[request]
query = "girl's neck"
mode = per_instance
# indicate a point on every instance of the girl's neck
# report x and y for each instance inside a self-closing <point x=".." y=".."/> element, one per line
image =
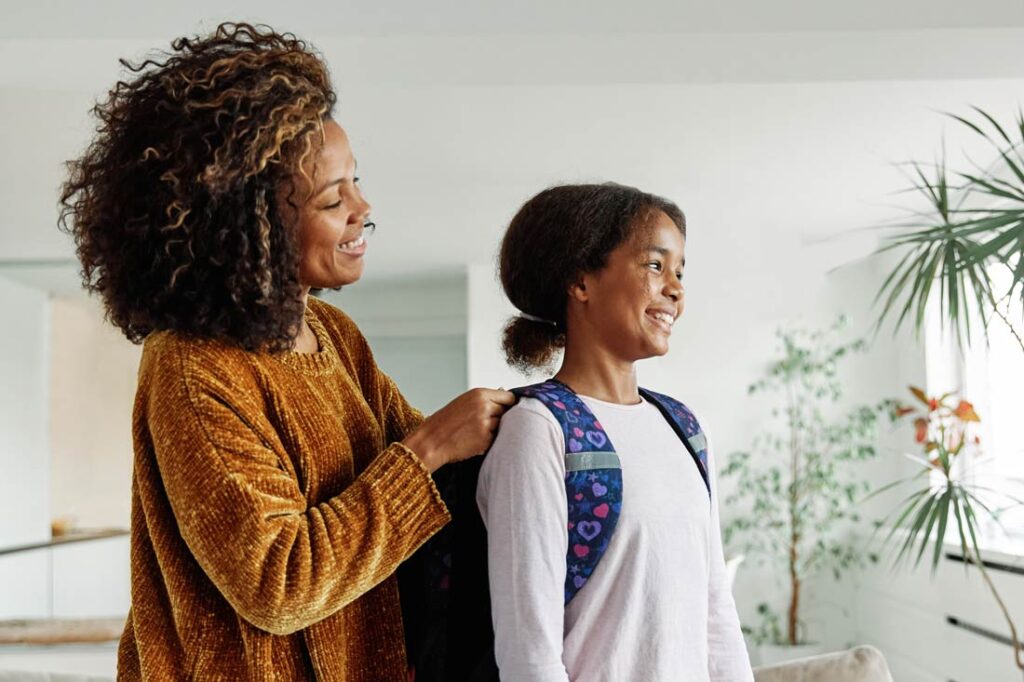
<point x="597" y="374"/>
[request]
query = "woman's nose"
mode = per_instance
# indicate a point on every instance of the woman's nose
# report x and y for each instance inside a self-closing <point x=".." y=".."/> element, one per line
<point x="362" y="211"/>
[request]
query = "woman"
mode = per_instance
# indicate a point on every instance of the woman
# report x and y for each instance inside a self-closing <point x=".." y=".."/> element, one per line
<point x="279" y="476"/>
<point x="597" y="270"/>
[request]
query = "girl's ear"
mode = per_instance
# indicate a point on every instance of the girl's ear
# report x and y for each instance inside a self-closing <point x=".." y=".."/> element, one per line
<point x="578" y="289"/>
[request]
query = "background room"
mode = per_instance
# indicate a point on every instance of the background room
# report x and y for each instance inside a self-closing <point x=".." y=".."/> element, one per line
<point x="779" y="128"/>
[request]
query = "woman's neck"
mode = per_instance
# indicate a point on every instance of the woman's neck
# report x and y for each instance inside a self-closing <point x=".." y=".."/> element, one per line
<point x="596" y="373"/>
<point x="305" y="339"/>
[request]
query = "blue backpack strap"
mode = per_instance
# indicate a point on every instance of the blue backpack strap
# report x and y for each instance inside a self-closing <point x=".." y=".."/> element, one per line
<point x="593" y="480"/>
<point x="686" y="426"/>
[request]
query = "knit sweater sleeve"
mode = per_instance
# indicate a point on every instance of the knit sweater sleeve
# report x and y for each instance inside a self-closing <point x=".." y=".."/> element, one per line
<point x="281" y="563"/>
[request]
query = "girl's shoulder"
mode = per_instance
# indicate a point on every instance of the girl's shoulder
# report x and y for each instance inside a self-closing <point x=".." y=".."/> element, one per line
<point x="529" y="414"/>
<point x="529" y="446"/>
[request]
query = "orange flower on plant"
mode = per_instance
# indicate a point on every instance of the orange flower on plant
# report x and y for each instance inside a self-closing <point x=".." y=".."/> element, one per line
<point x="933" y="404"/>
<point x="965" y="412"/>
<point x="920" y="429"/>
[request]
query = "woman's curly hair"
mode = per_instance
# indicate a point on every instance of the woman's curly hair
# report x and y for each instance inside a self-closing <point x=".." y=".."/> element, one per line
<point x="174" y="207"/>
<point x="558" y="235"/>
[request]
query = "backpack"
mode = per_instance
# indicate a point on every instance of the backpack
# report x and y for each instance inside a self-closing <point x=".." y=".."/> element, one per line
<point x="446" y="605"/>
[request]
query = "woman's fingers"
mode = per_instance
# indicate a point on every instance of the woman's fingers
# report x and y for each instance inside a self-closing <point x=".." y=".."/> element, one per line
<point x="461" y="429"/>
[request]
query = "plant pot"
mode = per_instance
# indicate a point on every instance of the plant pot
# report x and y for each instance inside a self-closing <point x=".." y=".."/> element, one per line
<point x="773" y="654"/>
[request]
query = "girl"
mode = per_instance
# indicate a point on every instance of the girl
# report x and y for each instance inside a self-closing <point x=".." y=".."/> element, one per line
<point x="597" y="270"/>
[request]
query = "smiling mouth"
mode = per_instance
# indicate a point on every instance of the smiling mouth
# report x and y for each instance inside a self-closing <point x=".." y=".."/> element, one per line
<point x="356" y="247"/>
<point x="662" y="320"/>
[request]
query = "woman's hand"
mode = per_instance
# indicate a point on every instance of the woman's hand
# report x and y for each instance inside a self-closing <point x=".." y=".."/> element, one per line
<point x="461" y="429"/>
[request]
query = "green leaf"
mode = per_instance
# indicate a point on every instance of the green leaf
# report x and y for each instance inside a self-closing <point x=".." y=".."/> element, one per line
<point x="890" y="486"/>
<point x="988" y="220"/>
<point x="994" y="124"/>
<point x="996" y="186"/>
<point x="926" y="279"/>
<point x="953" y="309"/>
<point x="971" y="522"/>
<point x="982" y="250"/>
<point x="960" y="529"/>
<point x="969" y="125"/>
<point x="943" y="514"/>
<point x="915" y="527"/>
<point x="896" y="288"/>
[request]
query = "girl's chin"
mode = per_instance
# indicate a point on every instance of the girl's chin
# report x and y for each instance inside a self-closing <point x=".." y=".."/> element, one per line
<point x="657" y="350"/>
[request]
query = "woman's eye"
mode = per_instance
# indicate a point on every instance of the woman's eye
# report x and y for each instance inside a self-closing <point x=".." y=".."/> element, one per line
<point x="336" y="204"/>
<point x="679" y="275"/>
<point x="654" y="265"/>
<point x="355" y="181"/>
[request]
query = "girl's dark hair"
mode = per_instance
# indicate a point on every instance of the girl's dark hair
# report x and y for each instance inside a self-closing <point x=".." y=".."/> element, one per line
<point x="558" y="235"/>
<point x="174" y="205"/>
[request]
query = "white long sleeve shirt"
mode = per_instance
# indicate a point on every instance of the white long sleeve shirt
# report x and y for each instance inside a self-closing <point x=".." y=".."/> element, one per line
<point x="658" y="606"/>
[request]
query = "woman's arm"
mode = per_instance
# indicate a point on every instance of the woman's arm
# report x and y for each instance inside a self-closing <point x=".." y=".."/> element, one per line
<point x="728" y="660"/>
<point x="280" y="563"/>
<point x="521" y="495"/>
<point x="462" y="428"/>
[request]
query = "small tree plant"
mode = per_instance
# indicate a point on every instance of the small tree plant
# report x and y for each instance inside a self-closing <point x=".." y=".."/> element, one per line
<point x="798" y="485"/>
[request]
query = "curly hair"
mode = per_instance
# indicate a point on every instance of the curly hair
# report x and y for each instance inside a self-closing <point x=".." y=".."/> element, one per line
<point x="554" y="238"/>
<point x="174" y="206"/>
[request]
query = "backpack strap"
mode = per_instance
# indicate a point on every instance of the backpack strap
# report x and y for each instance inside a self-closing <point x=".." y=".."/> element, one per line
<point x="593" y="480"/>
<point x="686" y="426"/>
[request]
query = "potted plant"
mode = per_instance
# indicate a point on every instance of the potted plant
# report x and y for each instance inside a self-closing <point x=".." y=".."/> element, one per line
<point x="943" y="489"/>
<point x="797" y="486"/>
<point x="973" y="229"/>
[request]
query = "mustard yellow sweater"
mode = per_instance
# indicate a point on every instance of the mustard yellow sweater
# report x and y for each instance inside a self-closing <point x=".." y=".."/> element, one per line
<point x="271" y="504"/>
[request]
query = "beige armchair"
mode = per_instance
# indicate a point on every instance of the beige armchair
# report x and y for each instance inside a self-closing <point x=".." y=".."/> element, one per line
<point x="861" y="664"/>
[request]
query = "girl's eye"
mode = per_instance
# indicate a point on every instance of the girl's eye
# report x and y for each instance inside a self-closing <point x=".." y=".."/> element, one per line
<point x="654" y="265"/>
<point x="355" y="181"/>
<point x="679" y="275"/>
<point x="336" y="204"/>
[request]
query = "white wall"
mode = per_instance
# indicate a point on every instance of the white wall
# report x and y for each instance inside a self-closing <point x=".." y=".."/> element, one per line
<point x="417" y="331"/>
<point x="92" y="579"/>
<point x="904" y="613"/>
<point x="489" y="311"/>
<point x="428" y="371"/>
<point x="24" y="454"/>
<point x="93" y="371"/>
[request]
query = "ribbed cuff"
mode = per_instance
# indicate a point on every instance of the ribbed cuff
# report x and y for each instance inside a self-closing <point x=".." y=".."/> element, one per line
<point x="413" y="500"/>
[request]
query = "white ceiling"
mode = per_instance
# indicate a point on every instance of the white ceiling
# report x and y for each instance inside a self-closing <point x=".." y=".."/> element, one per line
<point x="120" y="19"/>
<point x="761" y="118"/>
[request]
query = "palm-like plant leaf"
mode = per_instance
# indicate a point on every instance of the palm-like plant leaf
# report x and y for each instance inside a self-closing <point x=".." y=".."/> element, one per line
<point x="956" y="241"/>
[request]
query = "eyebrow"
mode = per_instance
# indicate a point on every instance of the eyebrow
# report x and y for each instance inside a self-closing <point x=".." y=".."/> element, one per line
<point x="661" y="251"/>
<point x="332" y="183"/>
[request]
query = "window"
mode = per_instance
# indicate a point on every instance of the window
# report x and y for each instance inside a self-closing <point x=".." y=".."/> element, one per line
<point x="993" y="379"/>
